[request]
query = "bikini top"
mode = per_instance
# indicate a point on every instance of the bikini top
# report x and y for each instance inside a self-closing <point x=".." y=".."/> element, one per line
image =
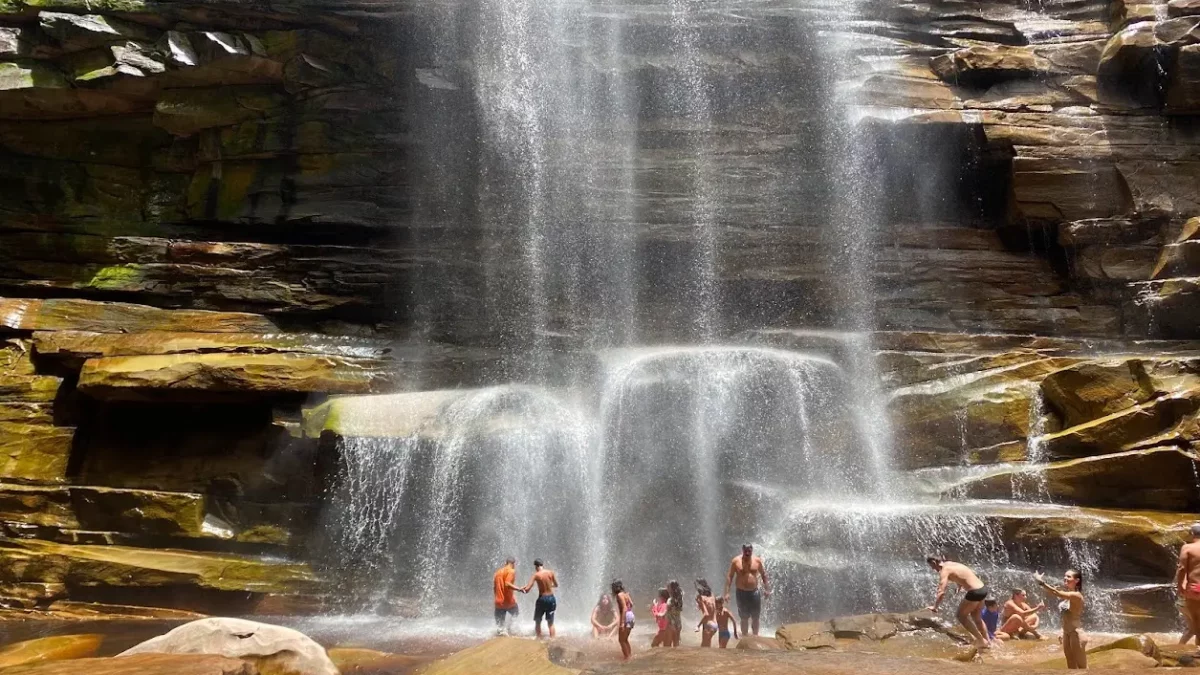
<point x="1064" y="606"/>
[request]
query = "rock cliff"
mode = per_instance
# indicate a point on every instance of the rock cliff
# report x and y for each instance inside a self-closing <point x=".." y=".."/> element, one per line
<point x="210" y="219"/>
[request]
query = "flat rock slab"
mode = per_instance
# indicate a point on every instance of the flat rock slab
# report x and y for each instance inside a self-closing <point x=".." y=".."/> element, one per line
<point x="144" y="664"/>
<point x="56" y="648"/>
<point x="122" y="317"/>
<point x="206" y="375"/>
<point x="499" y="656"/>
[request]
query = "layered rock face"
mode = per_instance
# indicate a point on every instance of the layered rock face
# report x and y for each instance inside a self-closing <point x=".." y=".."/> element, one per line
<point x="214" y="214"/>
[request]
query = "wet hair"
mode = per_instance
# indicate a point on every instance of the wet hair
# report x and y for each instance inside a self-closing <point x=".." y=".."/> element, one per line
<point x="935" y="560"/>
<point x="703" y="589"/>
<point x="1019" y="591"/>
<point x="538" y="563"/>
<point x="1196" y="531"/>
<point x="747" y="547"/>
<point x="664" y="593"/>
<point x="1078" y="577"/>
<point x="719" y="601"/>
<point x="603" y="597"/>
<point x="617" y="587"/>
<point x="676" y="593"/>
<point x="990" y="602"/>
<point x="510" y="560"/>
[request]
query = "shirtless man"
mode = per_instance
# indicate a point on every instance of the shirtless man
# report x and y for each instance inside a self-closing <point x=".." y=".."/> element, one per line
<point x="1187" y="582"/>
<point x="546" y="603"/>
<point x="972" y="604"/>
<point x="746" y="570"/>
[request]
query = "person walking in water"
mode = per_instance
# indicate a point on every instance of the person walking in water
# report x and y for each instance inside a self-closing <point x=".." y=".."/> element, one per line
<point x="1071" y="607"/>
<point x="746" y="570"/>
<point x="1187" y="583"/>
<point x="658" y="609"/>
<point x="724" y="620"/>
<point x="708" y="612"/>
<point x="546" y="602"/>
<point x="625" y="612"/>
<point x="604" y="618"/>
<point x="674" y="612"/>
<point x="969" y="614"/>
<point x="506" y="600"/>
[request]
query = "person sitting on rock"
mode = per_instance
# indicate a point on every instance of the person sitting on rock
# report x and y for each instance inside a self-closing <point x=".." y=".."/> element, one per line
<point x="1019" y="619"/>
<point x="604" y="618"/>
<point x="969" y="609"/>
<point x="991" y="617"/>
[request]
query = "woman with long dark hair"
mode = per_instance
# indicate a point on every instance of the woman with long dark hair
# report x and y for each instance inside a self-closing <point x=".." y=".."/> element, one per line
<point x="1071" y="608"/>
<point x="674" y="612"/>
<point x="625" y="614"/>
<point x="604" y="618"/>
<point x="708" y="612"/>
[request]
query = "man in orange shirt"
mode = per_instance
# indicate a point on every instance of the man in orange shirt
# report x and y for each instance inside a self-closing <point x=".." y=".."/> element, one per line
<point x="506" y="600"/>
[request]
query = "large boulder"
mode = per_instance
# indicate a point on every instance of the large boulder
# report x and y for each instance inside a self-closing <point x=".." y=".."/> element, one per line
<point x="807" y="635"/>
<point x="499" y="656"/>
<point x="275" y="649"/>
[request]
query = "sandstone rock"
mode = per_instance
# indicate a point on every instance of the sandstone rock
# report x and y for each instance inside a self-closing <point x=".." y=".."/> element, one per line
<point x="1113" y="659"/>
<point x="38" y="561"/>
<point x="986" y="65"/>
<point x="1136" y="63"/>
<point x="274" y="649"/>
<point x="1176" y="656"/>
<point x="499" y="656"/>
<point x="205" y="376"/>
<point x="352" y="660"/>
<point x="1183" y="87"/>
<point x="119" y="317"/>
<point x="810" y="635"/>
<point x="143" y="664"/>
<point x="34" y="452"/>
<point x="1090" y="390"/>
<point x="184" y="112"/>
<point x="1143" y="644"/>
<point x="1158" y="479"/>
<point x="1169" y="305"/>
<point x="1183" y="8"/>
<point x="758" y="643"/>
<point x="57" y="648"/>
<point x="1119" y="430"/>
<point x="869" y="626"/>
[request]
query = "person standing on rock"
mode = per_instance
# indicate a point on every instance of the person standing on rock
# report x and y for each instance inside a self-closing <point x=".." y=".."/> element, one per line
<point x="1071" y="607"/>
<point x="746" y="570"/>
<point x="1187" y="583"/>
<point x="504" y="591"/>
<point x="969" y="610"/>
<point x="547" y="604"/>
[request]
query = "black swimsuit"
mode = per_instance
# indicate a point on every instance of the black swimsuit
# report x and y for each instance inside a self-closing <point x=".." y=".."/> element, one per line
<point x="978" y="594"/>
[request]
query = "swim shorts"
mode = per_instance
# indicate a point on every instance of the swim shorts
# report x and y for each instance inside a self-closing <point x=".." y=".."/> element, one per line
<point x="545" y="607"/>
<point x="749" y="603"/>
<point x="977" y="595"/>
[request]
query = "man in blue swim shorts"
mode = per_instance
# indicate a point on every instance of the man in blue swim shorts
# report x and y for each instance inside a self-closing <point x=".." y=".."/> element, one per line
<point x="546" y="602"/>
<point x="746" y="570"/>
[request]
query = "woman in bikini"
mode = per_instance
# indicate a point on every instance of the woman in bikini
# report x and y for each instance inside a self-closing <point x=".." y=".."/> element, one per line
<point x="708" y="612"/>
<point x="604" y="619"/>
<point x="625" y="612"/>
<point x="1071" y="607"/>
<point x="674" y="612"/>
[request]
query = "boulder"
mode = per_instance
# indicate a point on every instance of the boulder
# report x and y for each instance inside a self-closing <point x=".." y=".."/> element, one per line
<point x="274" y="649"/>
<point x="1113" y="659"/>
<point x="1179" y="656"/>
<point x="1159" y="478"/>
<point x="120" y="317"/>
<point x="56" y="648"/>
<point x="1183" y="8"/>
<point x="499" y="656"/>
<point x="1090" y="390"/>
<point x="868" y="626"/>
<point x="1139" y="62"/>
<point x="1142" y="644"/>
<point x="144" y="664"/>
<point x="809" y="635"/>
<point x="207" y="376"/>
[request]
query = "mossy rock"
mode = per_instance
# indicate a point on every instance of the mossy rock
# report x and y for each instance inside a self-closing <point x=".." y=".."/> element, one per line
<point x="120" y="317"/>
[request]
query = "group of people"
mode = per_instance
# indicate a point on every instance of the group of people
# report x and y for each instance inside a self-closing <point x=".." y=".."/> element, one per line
<point x="747" y="576"/>
<point x="978" y="612"/>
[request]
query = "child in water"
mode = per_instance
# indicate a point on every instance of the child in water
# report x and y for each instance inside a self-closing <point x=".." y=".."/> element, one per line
<point x="724" y="620"/>
<point x="991" y="617"/>
<point x="658" y="609"/>
<point x="627" y="619"/>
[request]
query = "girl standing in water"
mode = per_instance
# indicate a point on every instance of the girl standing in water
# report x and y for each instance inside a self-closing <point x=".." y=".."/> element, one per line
<point x="708" y="612"/>
<point x="625" y="614"/>
<point x="674" y="612"/>
<point x="658" y="609"/>
<point x="1071" y="608"/>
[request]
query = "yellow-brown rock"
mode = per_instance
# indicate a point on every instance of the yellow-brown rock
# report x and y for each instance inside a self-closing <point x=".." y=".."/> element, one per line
<point x="353" y="660"/>
<point x="120" y="317"/>
<point x="499" y="656"/>
<point x="143" y="664"/>
<point x="208" y="375"/>
<point x="1160" y="478"/>
<point x="56" y="648"/>
<point x="87" y="565"/>
<point x="1091" y="390"/>
<point x="1112" y="659"/>
<point x="807" y="635"/>
<point x="1120" y="430"/>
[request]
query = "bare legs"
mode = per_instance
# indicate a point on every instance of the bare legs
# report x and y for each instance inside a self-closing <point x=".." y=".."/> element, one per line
<point x="1191" y="612"/>
<point x="623" y="639"/>
<point x="1074" y="650"/>
<point x="968" y="616"/>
